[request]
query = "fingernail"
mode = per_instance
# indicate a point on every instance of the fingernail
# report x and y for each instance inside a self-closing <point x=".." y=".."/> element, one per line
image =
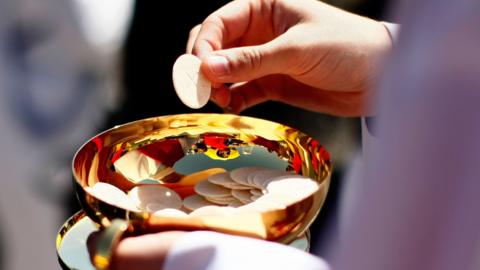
<point x="218" y="65"/>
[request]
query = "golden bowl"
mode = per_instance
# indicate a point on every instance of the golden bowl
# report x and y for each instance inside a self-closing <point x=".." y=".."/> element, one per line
<point x="186" y="144"/>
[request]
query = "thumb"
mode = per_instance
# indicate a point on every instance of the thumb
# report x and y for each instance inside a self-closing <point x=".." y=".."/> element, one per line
<point x="247" y="63"/>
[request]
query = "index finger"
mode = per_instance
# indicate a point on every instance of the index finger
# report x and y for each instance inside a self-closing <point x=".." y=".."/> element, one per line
<point x="226" y="24"/>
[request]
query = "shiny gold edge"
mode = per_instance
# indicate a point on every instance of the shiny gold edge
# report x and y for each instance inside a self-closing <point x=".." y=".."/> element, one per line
<point x="64" y="230"/>
<point x="107" y="240"/>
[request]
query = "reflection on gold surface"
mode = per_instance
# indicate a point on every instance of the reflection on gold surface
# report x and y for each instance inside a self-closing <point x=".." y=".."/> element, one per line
<point x="74" y="240"/>
<point x="180" y="150"/>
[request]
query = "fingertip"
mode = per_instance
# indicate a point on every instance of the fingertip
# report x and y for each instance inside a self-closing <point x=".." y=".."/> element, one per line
<point x="221" y="96"/>
<point x="192" y="37"/>
<point x="205" y="69"/>
<point x="216" y="68"/>
<point x="236" y="104"/>
<point x="218" y="65"/>
<point x="202" y="48"/>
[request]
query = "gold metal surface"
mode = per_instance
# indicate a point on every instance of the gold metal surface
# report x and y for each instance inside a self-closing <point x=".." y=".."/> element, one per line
<point x="73" y="242"/>
<point x="108" y="239"/>
<point x="163" y="150"/>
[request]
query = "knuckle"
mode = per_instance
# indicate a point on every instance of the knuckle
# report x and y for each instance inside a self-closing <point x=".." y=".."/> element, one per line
<point x="251" y="58"/>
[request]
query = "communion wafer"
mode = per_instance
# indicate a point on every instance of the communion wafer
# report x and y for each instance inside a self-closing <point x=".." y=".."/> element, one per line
<point x="255" y="197"/>
<point x="224" y="180"/>
<point x="207" y="189"/>
<point x="112" y="195"/>
<point x="195" y="201"/>
<point x="195" y="178"/>
<point x="222" y="200"/>
<point x="243" y="196"/>
<point x="238" y="187"/>
<point x="170" y="212"/>
<point x="156" y="207"/>
<point x="256" y="192"/>
<point x="296" y="186"/>
<point x="212" y="211"/>
<point x="262" y="178"/>
<point x="240" y="175"/>
<point x="192" y="87"/>
<point x="158" y="197"/>
<point x="136" y="166"/>
<point x="251" y="176"/>
<point x="236" y="204"/>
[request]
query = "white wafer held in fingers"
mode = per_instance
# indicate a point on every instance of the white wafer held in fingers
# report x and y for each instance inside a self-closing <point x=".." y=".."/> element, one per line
<point x="192" y="87"/>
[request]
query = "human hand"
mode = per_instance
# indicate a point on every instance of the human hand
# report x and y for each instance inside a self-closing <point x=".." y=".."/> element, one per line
<point x="301" y="52"/>
<point x="146" y="252"/>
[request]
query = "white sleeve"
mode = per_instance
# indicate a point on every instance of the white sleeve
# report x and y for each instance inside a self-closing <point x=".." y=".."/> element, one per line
<point x="368" y="138"/>
<point x="212" y="251"/>
<point x="418" y="208"/>
<point x="393" y="30"/>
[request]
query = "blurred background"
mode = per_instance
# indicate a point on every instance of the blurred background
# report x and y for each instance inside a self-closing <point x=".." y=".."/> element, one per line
<point x="69" y="69"/>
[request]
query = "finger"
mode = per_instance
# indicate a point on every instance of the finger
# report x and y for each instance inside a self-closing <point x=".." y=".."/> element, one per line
<point x="229" y="23"/>
<point x="192" y="37"/>
<point x="221" y="96"/>
<point x="250" y="62"/>
<point x="248" y="97"/>
<point x="191" y="40"/>
<point x="249" y="94"/>
<point x="289" y="91"/>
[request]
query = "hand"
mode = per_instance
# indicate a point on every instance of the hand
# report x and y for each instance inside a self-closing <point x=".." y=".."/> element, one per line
<point x="301" y="52"/>
<point x="146" y="252"/>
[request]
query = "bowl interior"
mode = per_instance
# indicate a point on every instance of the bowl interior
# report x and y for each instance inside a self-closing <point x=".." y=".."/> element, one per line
<point x="176" y="151"/>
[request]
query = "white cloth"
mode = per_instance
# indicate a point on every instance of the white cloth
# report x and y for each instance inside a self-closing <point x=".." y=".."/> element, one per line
<point x="215" y="251"/>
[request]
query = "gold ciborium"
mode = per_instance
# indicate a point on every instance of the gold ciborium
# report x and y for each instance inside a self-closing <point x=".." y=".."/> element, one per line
<point x="183" y="146"/>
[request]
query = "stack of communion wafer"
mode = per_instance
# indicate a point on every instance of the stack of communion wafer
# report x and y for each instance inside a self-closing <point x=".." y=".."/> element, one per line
<point x="244" y="189"/>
